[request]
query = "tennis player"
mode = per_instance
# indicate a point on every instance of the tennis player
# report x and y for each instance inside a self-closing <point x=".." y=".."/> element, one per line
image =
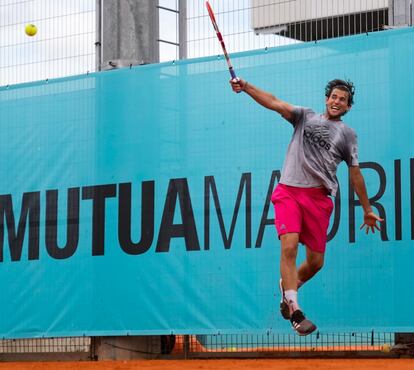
<point x="302" y="200"/>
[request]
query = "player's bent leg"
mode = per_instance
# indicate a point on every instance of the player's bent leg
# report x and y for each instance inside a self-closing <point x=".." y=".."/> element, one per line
<point x="290" y="277"/>
<point x="313" y="263"/>
<point x="288" y="281"/>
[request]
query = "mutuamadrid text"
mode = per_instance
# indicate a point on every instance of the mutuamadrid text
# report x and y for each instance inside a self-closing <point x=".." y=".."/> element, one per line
<point x="213" y="224"/>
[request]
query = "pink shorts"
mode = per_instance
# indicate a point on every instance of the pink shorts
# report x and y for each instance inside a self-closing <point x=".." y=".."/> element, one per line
<point x="305" y="211"/>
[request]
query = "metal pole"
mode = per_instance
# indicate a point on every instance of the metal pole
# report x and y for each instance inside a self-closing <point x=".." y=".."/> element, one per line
<point x="98" y="42"/>
<point x="129" y="33"/>
<point x="182" y="29"/>
<point x="399" y="13"/>
<point x="186" y="346"/>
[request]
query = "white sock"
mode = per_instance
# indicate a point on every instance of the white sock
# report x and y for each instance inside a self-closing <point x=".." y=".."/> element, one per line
<point x="292" y="299"/>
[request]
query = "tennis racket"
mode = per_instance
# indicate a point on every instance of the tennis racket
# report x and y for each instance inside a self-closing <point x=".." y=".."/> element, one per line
<point x="220" y="37"/>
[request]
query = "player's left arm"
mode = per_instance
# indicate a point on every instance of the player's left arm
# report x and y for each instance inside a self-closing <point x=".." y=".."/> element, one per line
<point x="358" y="183"/>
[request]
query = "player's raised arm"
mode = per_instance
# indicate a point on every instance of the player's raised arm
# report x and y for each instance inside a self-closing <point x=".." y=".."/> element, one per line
<point x="264" y="98"/>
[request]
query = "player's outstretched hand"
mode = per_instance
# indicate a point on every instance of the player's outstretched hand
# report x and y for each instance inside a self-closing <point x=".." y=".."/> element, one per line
<point x="370" y="222"/>
<point x="237" y="84"/>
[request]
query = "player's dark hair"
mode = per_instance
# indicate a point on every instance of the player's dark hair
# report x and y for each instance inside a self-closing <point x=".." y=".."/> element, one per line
<point x="343" y="85"/>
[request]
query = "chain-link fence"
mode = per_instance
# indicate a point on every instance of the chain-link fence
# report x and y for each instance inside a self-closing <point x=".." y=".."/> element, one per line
<point x="361" y="344"/>
<point x="66" y="41"/>
<point x="63" y="46"/>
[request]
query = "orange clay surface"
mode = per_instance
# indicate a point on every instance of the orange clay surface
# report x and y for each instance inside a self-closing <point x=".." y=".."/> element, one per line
<point x="236" y="364"/>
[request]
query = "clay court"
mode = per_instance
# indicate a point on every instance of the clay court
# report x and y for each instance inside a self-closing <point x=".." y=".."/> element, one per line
<point x="269" y="364"/>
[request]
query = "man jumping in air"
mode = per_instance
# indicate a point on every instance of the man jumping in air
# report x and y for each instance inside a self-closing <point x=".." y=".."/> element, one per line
<point x="301" y="199"/>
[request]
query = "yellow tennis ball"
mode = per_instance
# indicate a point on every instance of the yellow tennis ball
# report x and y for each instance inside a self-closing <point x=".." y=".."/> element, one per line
<point x="386" y="348"/>
<point x="30" y="29"/>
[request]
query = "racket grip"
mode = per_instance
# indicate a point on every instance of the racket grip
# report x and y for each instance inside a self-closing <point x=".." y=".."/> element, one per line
<point x="232" y="73"/>
<point x="233" y="76"/>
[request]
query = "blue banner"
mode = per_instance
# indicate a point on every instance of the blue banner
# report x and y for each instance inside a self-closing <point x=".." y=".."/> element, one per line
<point x="137" y="201"/>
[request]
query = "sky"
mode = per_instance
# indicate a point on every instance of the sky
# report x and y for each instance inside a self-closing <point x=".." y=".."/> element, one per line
<point x="65" y="42"/>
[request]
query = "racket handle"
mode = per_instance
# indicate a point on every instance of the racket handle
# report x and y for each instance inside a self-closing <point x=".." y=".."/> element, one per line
<point x="233" y="76"/>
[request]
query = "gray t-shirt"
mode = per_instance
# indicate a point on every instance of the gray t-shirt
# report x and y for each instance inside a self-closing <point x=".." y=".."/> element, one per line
<point x="318" y="145"/>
